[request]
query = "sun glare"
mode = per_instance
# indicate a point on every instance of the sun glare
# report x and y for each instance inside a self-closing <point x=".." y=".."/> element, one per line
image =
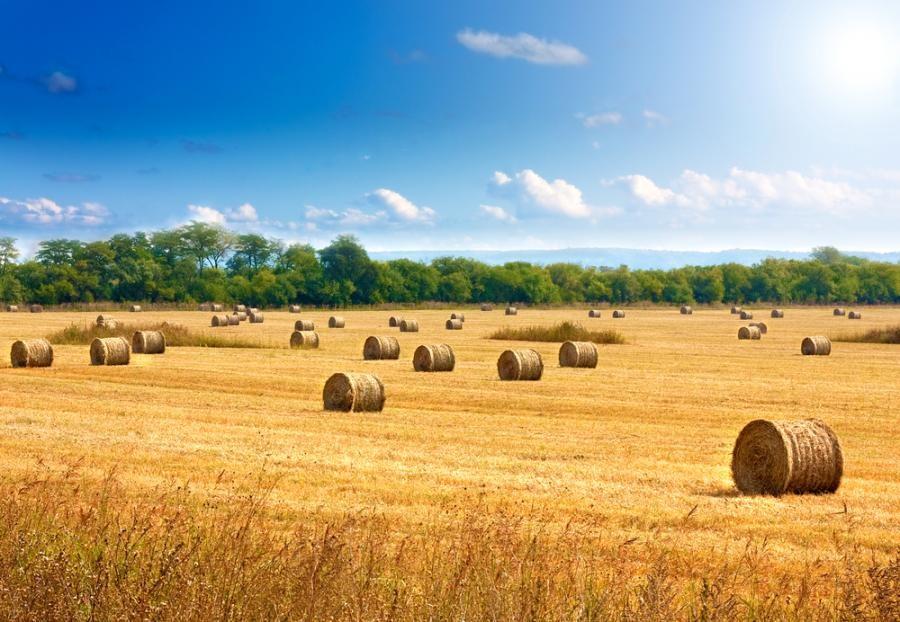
<point x="862" y="58"/>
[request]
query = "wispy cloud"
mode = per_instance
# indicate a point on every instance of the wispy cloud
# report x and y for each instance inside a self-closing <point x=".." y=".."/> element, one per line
<point x="498" y="213"/>
<point x="47" y="212"/>
<point x="598" y="120"/>
<point x="193" y="146"/>
<point x="653" y="118"/>
<point x="70" y="178"/>
<point x="353" y="217"/>
<point x="522" y="46"/>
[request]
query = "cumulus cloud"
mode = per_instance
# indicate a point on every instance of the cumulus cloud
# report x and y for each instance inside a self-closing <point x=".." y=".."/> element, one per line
<point x="244" y="213"/>
<point x="498" y="213"/>
<point x="597" y="120"/>
<point x="204" y="213"/>
<point x="44" y="211"/>
<point x="402" y="207"/>
<point x="531" y="190"/>
<point x="58" y="82"/>
<point x="522" y="46"/>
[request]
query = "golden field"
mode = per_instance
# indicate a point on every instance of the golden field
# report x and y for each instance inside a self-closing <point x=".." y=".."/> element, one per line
<point x="633" y="456"/>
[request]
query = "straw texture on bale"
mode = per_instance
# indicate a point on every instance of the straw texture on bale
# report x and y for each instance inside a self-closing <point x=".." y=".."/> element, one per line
<point x="437" y="357"/>
<point x="257" y="317"/>
<point x="618" y="313"/>
<point x="839" y="311"/>
<point x="336" y="321"/>
<point x="381" y="348"/>
<point x="12" y="308"/>
<point x="458" y="316"/>
<point x="686" y="310"/>
<point x="135" y="308"/>
<point x="854" y="315"/>
<point x="110" y="351"/>
<point x="304" y="325"/>
<point x="217" y="308"/>
<point x="354" y="392"/>
<point x="749" y="332"/>
<point x="394" y="321"/>
<point x="578" y="354"/>
<point x="305" y="339"/>
<point x="234" y="319"/>
<point x="746" y="315"/>
<point x="294" y="309"/>
<point x="487" y="307"/>
<point x="454" y="324"/>
<point x="240" y="315"/>
<point x="594" y="313"/>
<point x="409" y="326"/>
<point x="777" y="313"/>
<point x="31" y="353"/>
<point x="148" y="342"/>
<point x="520" y="365"/>
<point x="220" y="320"/>
<point x="36" y="308"/>
<point x="777" y="457"/>
<point x="818" y="345"/>
<point x="761" y="326"/>
<point x="239" y="308"/>
<point x="512" y="311"/>
<point x="735" y="310"/>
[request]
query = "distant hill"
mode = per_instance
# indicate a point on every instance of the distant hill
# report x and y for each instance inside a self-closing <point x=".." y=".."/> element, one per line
<point x="633" y="258"/>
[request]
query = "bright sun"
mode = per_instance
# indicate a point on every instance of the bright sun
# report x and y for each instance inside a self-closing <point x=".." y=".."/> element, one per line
<point x="862" y="58"/>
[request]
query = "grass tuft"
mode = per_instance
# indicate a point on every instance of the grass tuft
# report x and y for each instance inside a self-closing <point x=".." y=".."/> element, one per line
<point x="886" y="334"/>
<point x="176" y="336"/>
<point x="563" y="331"/>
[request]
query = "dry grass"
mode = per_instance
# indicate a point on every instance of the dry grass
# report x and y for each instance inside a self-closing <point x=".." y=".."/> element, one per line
<point x="557" y="333"/>
<point x="176" y="336"/>
<point x="885" y="334"/>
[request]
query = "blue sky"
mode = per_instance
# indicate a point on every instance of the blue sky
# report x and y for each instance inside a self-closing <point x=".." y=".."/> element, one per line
<point x="464" y="125"/>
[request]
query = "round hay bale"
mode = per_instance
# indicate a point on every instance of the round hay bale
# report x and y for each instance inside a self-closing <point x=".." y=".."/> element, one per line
<point x="594" y="313"/>
<point x="256" y="317"/>
<point x="454" y="324"/>
<point x="304" y="339"/>
<point x="686" y="310"/>
<point x="818" y="345"/>
<point x="749" y="332"/>
<point x="520" y="365"/>
<point x="746" y="315"/>
<point x="487" y="307"/>
<point x="36" y="308"/>
<point x="512" y="311"/>
<point x="220" y="320"/>
<point x="31" y="353"/>
<point x="105" y="320"/>
<point x="240" y="315"/>
<point x="304" y="325"/>
<point x="409" y="326"/>
<point x="578" y="354"/>
<point x="761" y="326"/>
<point x="735" y="310"/>
<point x="458" y="316"/>
<point x="135" y="308"/>
<point x="854" y="315"/>
<point x="394" y="321"/>
<point x="294" y="309"/>
<point x="148" y="342"/>
<point x="381" y="348"/>
<point x="437" y="357"/>
<point x="777" y="313"/>
<point x="353" y="392"/>
<point x="239" y="308"/>
<point x="217" y="308"/>
<point x="234" y="319"/>
<point x="110" y="351"/>
<point x="205" y="306"/>
<point x="775" y="457"/>
<point x="336" y="321"/>
<point x="839" y="311"/>
<point x="618" y="314"/>
<point x="12" y="308"/>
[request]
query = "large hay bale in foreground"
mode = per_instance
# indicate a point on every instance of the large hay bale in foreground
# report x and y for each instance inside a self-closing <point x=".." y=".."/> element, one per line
<point x="220" y="320"/>
<point x="381" y="348"/>
<point x="817" y="345"/>
<point x="749" y="332"/>
<point x="854" y="315"/>
<point x="148" y="342"/>
<point x="31" y="353"/>
<point x="839" y="311"/>
<point x="135" y="308"/>
<point x="520" y="365"/>
<point x="305" y="339"/>
<point x="304" y="325"/>
<point x="775" y="457"/>
<point x="110" y="351"/>
<point x="487" y="307"/>
<point x="746" y="315"/>
<point x="437" y="357"/>
<point x="36" y="308"/>
<point x="735" y="310"/>
<point x="458" y="316"/>
<point x="686" y="310"/>
<point x="353" y="392"/>
<point x="594" y="313"/>
<point x="12" y="308"/>
<point x="256" y="317"/>
<point x="761" y="326"/>
<point x="618" y="314"/>
<point x="777" y="313"/>
<point x="578" y="354"/>
<point x="294" y="309"/>
<point x="394" y="321"/>
<point x="512" y="311"/>
<point x="409" y="326"/>
<point x="336" y="321"/>
<point x="454" y="324"/>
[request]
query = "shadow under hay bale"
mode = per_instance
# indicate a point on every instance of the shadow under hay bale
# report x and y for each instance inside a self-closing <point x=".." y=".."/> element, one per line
<point x="409" y="326"/>
<point x="749" y="332"/>
<point x="817" y="345"/>
<point x="336" y="321"/>
<point x="31" y="353"/>
<point x="304" y="325"/>
<point x="578" y="354"/>
<point x="777" y="457"/>
<point x="110" y="351"/>
<point x="686" y="310"/>
<point x="520" y="365"/>
<point x="437" y="357"/>
<point x="378" y="348"/>
<point x="304" y="340"/>
<point x="148" y="342"/>
<point x="353" y="392"/>
<point x="454" y="325"/>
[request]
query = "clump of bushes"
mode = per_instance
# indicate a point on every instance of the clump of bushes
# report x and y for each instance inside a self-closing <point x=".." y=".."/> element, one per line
<point x="558" y="333"/>
<point x="176" y="335"/>
<point x="886" y="334"/>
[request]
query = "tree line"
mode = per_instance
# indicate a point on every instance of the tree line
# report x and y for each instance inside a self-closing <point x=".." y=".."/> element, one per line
<point x="202" y="262"/>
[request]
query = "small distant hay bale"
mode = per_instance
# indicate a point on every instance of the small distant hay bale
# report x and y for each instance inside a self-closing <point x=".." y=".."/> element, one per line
<point x="240" y="315"/>
<point x="578" y="354"/>
<point x="354" y="392"/>
<point x="377" y="348"/>
<point x="594" y="313"/>
<point x="437" y="357"/>
<point x="36" y="308"/>
<point x="458" y="316"/>
<point x="454" y="325"/>
<point x="294" y="309"/>
<point x="251" y="310"/>
<point x="487" y="306"/>
<point x="220" y="320"/>
<point x="217" y="308"/>
<point x="257" y="317"/>
<point x="106" y="321"/>
<point x="205" y="306"/>
<point x="777" y="457"/>
<point x="304" y="325"/>
<point x="746" y="315"/>
<point x="618" y="314"/>
<point x="761" y="326"/>
<point x="31" y="353"/>
<point x="520" y="365"/>
<point x="512" y="311"/>
<point x="817" y="345"/>
<point x="777" y="313"/>
<point x="148" y="342"/>
<point x="12" y="308"/>
<point x="394" y="321"/>
<point x="336" y="321"/>
<point x="735" y="310"/>
<point x="110" y="351"/>
<point x="854" y="315"/>
<point x="234" y="319"/>
<point x="304" y="339"/>
<point x="686" y="310"/>
<point x="239" y="308"/>
<point x="409" y="326"/>
<point x="135" y="308"/>
<point x="749" y="332"/>
<point x="839" y="311"/>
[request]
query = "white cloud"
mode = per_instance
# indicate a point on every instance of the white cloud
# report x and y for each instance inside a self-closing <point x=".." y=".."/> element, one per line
<point x="645" y="190"/>
<point x="58" y="82"/>
<point x="530" y="189"/>
<point x="209" y="215"/>
<point x="401" y="206"/>
<point x="597" y="120"/>
<point x="498" y="213"/>
<point x="523" y="46"/>
<point x="244" y="213"/>
<point x="500" y="178"/>
<point x="653" y="118"/>
<point x="353" y="217"/>
<point x="44" y="211"/>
